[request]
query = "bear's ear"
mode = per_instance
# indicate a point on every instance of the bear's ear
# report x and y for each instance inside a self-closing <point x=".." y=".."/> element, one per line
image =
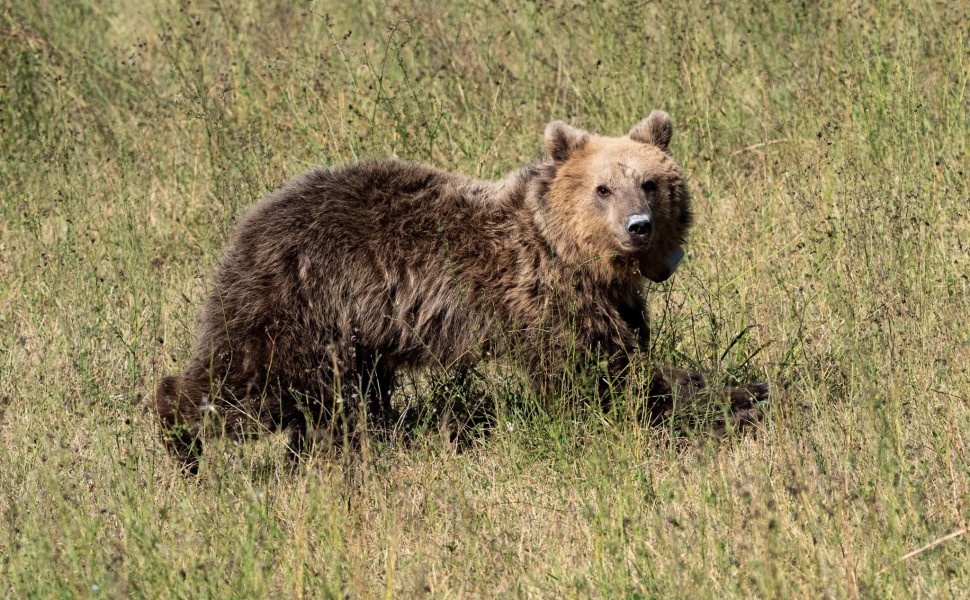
<point x="562" y="140"/>
<point x="655" y="129"/>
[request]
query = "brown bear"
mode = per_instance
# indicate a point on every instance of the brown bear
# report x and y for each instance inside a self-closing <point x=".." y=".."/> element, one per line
<point x="343" y="276"/>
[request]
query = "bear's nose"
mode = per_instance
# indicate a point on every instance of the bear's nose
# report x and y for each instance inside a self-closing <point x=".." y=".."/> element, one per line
<point x="639" y="225"/>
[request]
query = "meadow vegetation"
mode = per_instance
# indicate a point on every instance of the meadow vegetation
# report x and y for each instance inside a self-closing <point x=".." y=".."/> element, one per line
<point x="827" y="147"/>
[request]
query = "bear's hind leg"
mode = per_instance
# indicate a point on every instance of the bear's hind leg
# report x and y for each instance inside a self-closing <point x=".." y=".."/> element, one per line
<point x="336" y="417"/>
<point x="310" y="422"/>
<point x="179" y="420"/>
<point x="377" y="385"/>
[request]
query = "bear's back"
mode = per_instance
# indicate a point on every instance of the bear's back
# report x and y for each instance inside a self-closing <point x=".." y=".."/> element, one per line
<point x="400" y="256"/>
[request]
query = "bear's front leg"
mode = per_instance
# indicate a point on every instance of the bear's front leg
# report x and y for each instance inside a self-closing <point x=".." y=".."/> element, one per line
<point x="572" y="364"/>
<point x="601" y="356"/>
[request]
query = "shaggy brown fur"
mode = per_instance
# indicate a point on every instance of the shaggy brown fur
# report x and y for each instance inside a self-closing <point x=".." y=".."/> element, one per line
<point x="344" y="276"/>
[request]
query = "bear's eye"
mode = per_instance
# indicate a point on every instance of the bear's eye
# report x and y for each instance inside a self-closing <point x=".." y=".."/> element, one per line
<point x="603" y="190"/>
<point x="649" y="186"/>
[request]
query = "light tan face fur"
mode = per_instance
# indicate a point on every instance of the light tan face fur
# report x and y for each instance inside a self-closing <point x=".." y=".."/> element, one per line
<point x="614" y="179"/>
<point x="622" y="197"/>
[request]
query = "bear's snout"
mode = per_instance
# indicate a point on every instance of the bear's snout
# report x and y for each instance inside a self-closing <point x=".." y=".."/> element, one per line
<point x="639" y="227"/>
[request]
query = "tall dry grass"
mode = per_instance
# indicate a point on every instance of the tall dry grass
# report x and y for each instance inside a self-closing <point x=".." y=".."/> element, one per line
<point x="827" y="149"/>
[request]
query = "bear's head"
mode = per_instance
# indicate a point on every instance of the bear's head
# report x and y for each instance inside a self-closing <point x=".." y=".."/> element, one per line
<point x="619" y="205"/>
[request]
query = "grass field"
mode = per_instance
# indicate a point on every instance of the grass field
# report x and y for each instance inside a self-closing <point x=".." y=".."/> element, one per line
<point x="828" y="151"/>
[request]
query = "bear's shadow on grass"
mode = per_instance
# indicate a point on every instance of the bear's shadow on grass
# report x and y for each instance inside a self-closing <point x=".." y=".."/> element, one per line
<point x="459" y="410"/>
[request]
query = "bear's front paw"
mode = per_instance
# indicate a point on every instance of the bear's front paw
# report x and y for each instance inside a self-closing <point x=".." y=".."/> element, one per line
<point x="747" y="403"/>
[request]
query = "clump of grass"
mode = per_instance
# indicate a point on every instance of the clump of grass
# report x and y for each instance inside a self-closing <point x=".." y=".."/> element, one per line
<point x="827" y="150"/>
